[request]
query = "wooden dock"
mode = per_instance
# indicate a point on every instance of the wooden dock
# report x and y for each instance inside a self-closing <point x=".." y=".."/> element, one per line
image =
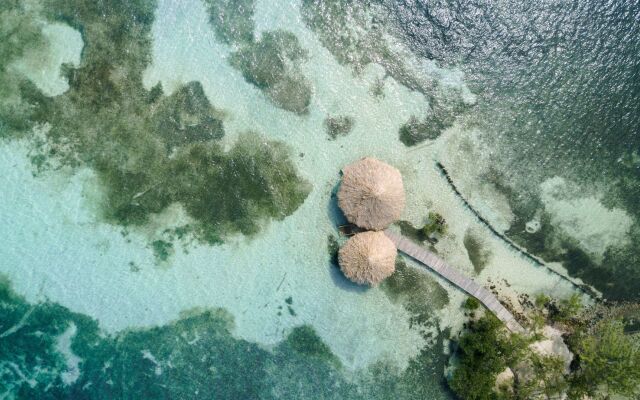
<point x="452" y="275"/>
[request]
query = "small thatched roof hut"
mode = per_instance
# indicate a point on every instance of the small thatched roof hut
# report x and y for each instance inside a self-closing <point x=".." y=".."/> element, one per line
<point x="368" y="258"/>
<point x="371" y="194"/>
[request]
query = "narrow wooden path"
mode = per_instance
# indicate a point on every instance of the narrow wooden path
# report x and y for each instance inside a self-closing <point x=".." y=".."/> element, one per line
<point x="452" y="275"/>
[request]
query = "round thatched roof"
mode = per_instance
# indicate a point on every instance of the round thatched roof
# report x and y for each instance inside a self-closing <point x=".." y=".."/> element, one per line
<point x="371" y="194"/>
<point x="368" y="258"/>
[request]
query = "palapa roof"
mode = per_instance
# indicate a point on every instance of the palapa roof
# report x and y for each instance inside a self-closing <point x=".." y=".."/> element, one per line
<point x="371" y="194"/>
<point x="368" y="258"/>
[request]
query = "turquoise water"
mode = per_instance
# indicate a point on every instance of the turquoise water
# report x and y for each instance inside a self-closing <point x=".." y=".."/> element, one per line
<point x="168" y="211"/>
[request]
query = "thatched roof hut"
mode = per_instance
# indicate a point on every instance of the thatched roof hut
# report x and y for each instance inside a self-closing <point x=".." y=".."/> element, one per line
<point x="371" y="194"/>
<point x="368" y="258"/>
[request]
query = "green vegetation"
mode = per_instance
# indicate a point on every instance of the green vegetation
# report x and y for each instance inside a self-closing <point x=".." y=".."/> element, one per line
<point x="606" y="356"/>
<point x="436" y="225"/>
<point x="471" y="303"/>
<point x="484" y="351"/>
<point x="272" y="65"/>
<point x="148" y="150"/>
<point x="338" y="126"/>
<point x="544" y="379"/>
<point x="609" y="361"/>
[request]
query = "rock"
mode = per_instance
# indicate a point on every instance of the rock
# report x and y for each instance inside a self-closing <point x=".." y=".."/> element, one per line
<point x="533" y="226"/>
<point x="553" y="345"/>
<point x="504" y="381"/>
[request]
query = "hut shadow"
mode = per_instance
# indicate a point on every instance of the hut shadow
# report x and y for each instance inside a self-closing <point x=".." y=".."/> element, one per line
<point x="343" y="283"/>
<point x="338" y="219"/>
<point x="333" y="211"/>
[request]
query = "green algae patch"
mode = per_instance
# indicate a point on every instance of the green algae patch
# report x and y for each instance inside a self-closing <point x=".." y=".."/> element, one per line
<point x="186" y="117"/>
<point x="232" y="20"/>
<point x="224" y="192"/>
<point x="150" y="150"/>
<point x="338" y="126"/>
<point x="162" y="250"/>
<point x="272" y="65"/>
<point x="415" y="131"/>
<point x="436" y="224"/>
<point x="471" y="304"/>
<point x="304" y="340"/>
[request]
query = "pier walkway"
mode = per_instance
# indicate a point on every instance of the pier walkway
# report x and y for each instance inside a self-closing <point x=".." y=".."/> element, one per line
<point x="452" y="275"/>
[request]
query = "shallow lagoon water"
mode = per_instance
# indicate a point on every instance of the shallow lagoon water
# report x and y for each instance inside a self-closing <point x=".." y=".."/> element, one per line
<point x="58" y="249"/>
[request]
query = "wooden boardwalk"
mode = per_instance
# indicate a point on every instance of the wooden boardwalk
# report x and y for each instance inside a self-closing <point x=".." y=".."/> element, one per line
<point x="452" y="275"/>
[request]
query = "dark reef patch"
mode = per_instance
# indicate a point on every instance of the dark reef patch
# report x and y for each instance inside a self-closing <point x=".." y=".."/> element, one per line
<point x="338" y="126"/>
<point x="416" y="234"/>
<point x="478" y="254"/>
<point x="442" y="115"/>
<point x="333" y="247"/>
<point x="149" y="150"/>
<point x="419" y="293"/>
<point x="434" y="228"/>
<point x="162" y="250"/>
<point x="185" y="117"/>
<point x="232" y="20"/>
<point x="304" y="340"/>
<point x="272" y="65"/>
<point x="195" y="357"/>
<point x="616" y="275"/>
